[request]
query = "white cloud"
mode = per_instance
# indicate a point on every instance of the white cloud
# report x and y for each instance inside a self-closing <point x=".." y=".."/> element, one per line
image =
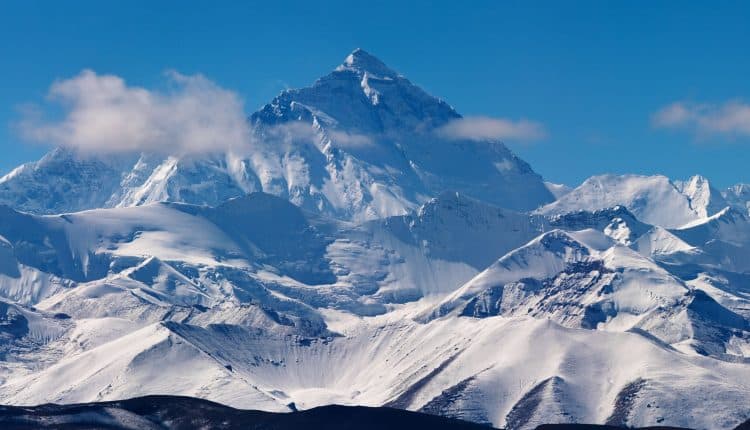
<point x="302" y="131"/>
<point x="343" y="139"/>
<point x="730" y="118"/>
<point x="290" y="132"/>
<point x="485" y="128"/>
<point x="101" y="113"/>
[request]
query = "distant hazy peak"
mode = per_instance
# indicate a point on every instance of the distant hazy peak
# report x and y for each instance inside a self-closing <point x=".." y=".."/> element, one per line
<point x="740" y="189"/>
<point x="738" y="196"/>
<point x="653" y="199"/>
<point x="704" y="199"/>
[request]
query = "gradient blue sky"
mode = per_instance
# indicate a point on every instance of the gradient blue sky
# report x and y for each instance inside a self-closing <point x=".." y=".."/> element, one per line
<point x="593" y="73"/>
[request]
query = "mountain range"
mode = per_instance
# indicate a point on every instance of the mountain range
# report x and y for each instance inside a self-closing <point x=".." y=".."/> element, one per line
<point x="357" y="255"/>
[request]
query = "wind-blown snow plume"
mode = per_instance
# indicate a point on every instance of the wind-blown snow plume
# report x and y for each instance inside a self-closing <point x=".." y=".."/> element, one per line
<point x="731" y="118"/>
<point x="103" y="114"/>
<point x="486" y="128"/>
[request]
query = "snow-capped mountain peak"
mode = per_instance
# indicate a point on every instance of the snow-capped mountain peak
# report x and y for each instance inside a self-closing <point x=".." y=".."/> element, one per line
<point x="653" y="199"/>
<point x="361" y="62"/>
<point x="704" y="198"/>
<point x="359" y="143"/>
<point x="362" y="95"/>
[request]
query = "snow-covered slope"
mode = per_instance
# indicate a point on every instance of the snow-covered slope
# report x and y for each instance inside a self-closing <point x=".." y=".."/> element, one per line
<point x="256" y="248"/>
<point x="461" y="308"/>
<point x="653" y="199"/>
<point x="356" y="256"/>
<point x="63" y="181"/>
<point x="738" y="196"/>
<point x="514" y="372"/>
<point x="581" y="279"/>
<point x="725" y="236"/>
<point x="125" y="368"/>
<point x="360" y="143"/>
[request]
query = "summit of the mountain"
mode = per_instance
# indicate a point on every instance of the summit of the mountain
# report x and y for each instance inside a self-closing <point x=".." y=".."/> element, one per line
<point x="361" y="62"/>
<point x="362" y="95"/>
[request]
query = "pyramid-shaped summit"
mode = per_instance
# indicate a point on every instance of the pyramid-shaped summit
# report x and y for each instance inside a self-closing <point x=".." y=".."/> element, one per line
<point x="361" y="61"/>
<point x="361" y="95"/>
<point x="359" y="143"/>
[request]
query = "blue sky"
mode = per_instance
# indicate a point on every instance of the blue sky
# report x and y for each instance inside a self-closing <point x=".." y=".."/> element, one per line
<point x="594" y="74"/>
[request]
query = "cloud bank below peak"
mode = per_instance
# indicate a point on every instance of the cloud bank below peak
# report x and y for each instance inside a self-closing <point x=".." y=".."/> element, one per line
<point x="487" y="128"/>
<point x="101" y="113"/>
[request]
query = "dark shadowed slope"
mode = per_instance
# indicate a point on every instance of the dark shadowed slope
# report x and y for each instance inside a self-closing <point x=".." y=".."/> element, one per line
<point x="177" y="412"/>
<point x="599" y="427"/>
<point x="174" y="412"/>
<point x="744" y="426"/>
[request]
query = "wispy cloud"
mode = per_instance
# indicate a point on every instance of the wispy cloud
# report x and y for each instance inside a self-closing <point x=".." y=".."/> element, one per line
<point x="290" y="132"/>
<point x="730" y="118"/>
<point x="486" y="128"/>
<point x="345" y="140"/>
<point x="301" y="131"/>
<point x="101" y="113"/>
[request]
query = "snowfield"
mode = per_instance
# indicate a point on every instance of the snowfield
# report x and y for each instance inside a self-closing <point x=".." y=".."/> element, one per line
<point x="395" y="268"/>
